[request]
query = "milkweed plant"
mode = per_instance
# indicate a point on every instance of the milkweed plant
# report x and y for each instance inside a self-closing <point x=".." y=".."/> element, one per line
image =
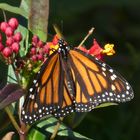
<point x="22" y="52"/>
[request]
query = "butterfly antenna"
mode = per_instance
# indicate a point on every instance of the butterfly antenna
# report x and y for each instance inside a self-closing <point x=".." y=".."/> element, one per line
<point x="57" y="30"/>
<point x="89" y="33"/>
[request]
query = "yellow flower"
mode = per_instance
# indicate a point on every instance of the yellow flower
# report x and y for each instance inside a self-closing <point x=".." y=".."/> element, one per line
<point x="108" y="49"/>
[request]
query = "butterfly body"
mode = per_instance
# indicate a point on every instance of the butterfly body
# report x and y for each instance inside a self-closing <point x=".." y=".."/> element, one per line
<point x="73" y="81"/>
<point x="63" y="49"/>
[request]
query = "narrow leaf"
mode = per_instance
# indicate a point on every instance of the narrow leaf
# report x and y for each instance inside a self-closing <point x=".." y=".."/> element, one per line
<point x="9" y="94"/>
<point x="7" y="90"/>
<point x="13" y="9"/>
<point x="24" y="5"/>
<point x="105" y="105"/>
<point x="11" y="78"/>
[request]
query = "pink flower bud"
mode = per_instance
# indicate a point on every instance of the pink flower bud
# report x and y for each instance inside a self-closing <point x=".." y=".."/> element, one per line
<point x="40" y="51"/>
<point x="15" y="47"/>
<point x="7" y="52"/>
<point x="1" y="47"/>
<point x="9" y="31"/>
<point x="9" y="41"/>
<point x="40" y="44"/>
<point x="34" y="58"/>
<point x="3" y="26"/>
<point x="35" y="40"/>
<point x="46" y="48"/>
<point x="17" y="37"/>
<point x="13" y="22"/>
<point x="33" y="51"/>
<point x="0" y="37"/>
<point x="40" y="57"/>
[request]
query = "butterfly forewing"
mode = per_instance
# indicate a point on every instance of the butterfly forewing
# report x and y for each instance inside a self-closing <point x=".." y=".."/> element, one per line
<point x="42" y="98"/>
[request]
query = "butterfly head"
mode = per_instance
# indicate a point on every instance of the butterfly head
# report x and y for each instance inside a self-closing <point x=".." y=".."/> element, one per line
<point x="63" y="48"/>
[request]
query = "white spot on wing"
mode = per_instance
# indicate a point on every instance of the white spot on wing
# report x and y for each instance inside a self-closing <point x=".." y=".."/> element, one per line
<point x="111" y="70"/>
<point x="31" y="89"/>
<point x="23" y="112"/>
<point x="103" y="64"/>
<point x="110" y="94"/>
<point x="40" y="110"/>
<point x="104" y="74"/>
<point x="112" y="77"/>
<point x="127" y="87"/>
<point x="34" y="81"/>
<point x="104" y="69"/>
<point x="113" y="87"/>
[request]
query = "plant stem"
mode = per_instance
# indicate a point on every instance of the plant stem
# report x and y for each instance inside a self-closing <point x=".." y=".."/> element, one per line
<point x="12" y="119"/>
<point x="22" y="136"/>
<point x="23" y="131"/>
<point x="4" y="15"/>
<point x="89" y="33"/>
<point x="56" y="128"/>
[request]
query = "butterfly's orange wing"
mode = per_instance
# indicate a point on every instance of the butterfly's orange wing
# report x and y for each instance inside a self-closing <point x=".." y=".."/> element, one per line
<point x="96" y="82"/>
<point x="48" y="94"/>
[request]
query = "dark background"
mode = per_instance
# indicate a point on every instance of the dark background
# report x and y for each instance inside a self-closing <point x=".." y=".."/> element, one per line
<point x="115" y="22"/>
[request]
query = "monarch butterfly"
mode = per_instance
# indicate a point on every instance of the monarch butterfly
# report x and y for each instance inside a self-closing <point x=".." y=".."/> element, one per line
<point x="72" y="81"/>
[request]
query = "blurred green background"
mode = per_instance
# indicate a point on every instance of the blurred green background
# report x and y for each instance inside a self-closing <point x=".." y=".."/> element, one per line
<point x="115" y="22"/>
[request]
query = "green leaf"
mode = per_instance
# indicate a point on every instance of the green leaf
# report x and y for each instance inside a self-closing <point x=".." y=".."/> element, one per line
<point x="46" y="127"/>
<point x="11" y="78"/>
<point x="38" y="22"/>
<point x="35" y="134"/>
<point x="105" y="105"/>
<point x="25" y="6"/>
<point x="13" y="9"/>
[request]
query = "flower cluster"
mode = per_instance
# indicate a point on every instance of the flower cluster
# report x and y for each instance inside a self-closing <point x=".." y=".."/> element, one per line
<point x="40" y="50"/>
<point x="97" y="51"/>
<point x="12" y="43"/>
